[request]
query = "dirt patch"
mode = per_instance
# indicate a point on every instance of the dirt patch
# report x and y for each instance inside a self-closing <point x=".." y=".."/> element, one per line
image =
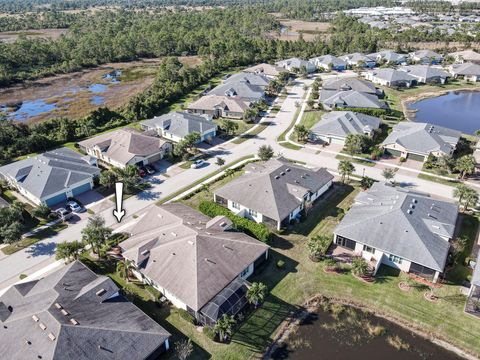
<point x="12" y="36"/>
<point x="293" y="29"/>
<point x="306" y="26"/>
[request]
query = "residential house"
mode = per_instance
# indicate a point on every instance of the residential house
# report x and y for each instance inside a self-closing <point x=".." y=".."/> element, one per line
<point x="275" y="192"/>
<point x="466" y="56"/>
<point x="351" y="83"/>
<point x="329" y="62"/>
<point x="401" y="229"/>
<point x="426" y="74"/>
<point x="426" y="57"/>
<point x="199" y="264"/>
<point x="359" y="60"/>
<point x="219" y="106"/>
<point x="295" y="64"/>
<point x="335" y="126"/>
<point x="175" y="126"/>
<point x="468" y="71"/>
<point x="73" y="314"/>
<point x="416" y="141"/>
<point x="389" y="57"/>
<point x="124" y="147"/>
<point x="241" y="90"/>
<point x="253" y="79"/>
<point x="332" y="99"/>
<point x="52" y="177"/>
<point x="270" y="71"/>
<point x="391" y="77"/>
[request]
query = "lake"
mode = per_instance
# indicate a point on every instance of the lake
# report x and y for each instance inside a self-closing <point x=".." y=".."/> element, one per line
<point x="459" y="110"/>
<point x="343" y="333"/>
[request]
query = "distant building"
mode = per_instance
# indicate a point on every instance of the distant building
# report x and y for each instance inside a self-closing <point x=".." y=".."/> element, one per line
<point x="417" y="141"/>
<point x="73" y="314"/>
<point x="126" y="146"/>
<point x="219" y="106"/>
<point x="295" y="64"/>
<point x="335" y="126"/>
<point x="466" y="56"/>
<point x="389" y="57"/>
<point x="53" y="176"/>
<point x="329" y="62"/>
<point x="351" y="83"/>
<point x="426" y="74"/>
<point x="468" y="71"/>
<point x="175" y="126"/>
<point x="268" y="70"/>
<point x="259" y="80"/>
<point x="332" y="99"/>
<point x="391" y="77"/>
<point x="275" y="192"/>
<point x="359" y="60"/>
<point x="401" y="229"/>
<point x="240" y="89"/>
<point x="426" y="57"/>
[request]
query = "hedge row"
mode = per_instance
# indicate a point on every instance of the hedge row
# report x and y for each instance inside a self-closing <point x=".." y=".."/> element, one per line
<point x="259" y="231"/>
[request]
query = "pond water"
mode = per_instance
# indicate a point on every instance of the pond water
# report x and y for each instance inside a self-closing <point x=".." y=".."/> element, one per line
<point x="27" y="109"/>
<point x="347" y="333"/>
<point x="459" y="110"/>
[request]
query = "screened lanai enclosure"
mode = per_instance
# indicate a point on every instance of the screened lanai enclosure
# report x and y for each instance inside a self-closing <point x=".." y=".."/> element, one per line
<point x="473" y="301"/>
<point x="231" y="301"/>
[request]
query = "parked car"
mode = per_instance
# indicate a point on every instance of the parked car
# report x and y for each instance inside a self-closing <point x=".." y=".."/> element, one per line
<point x="150" y="169"/>
<point x="197" y="163"/>
<point x="63" y="214"/>
<point x="75" y="207"/>
<point x="141" y="172"/>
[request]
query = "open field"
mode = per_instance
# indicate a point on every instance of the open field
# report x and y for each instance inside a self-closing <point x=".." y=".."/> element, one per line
<point x="291" y="30"/>
<point x="12" y="36"/>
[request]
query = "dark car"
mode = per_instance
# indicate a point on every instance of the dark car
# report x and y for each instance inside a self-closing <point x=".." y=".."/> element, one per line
<point x="150" y="169"/>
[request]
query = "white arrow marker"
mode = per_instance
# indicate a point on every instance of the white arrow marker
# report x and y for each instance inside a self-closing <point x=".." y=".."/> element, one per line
<point x="119" y="212"/>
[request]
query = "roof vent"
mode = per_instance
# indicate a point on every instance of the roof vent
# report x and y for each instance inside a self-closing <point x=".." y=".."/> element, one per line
<point x="277" y="177"/>
<point x="409" y="211"/>
<point x="227" y="247"/>
<point x="414" y="201"/>
<point x="431" y="216"/>
<point x="190" y="242"/>
<point x="28" y="342"/>
<point x="173" y="234"/>
<point x="64" y="312"/>
<point x="282" y="173"/>
<point x="35" y="318"/>
<point x="101" y="292"/>
<point x="412" y="206"/>
<point x="73" y="321"/>
<point x="210" y="261"/>
<point x="57" y="305"/>
<point x="42" y="326"/>
<point x="52" y="337"/>
<point x="287" y="169"/>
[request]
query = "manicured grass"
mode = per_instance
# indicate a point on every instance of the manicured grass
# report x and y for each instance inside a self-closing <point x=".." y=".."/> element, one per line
<point x="26" y="242"/>
<point x="242" y="127"/>
<point x="354" y="160"/>
<point x="290" y="146"/>
<point x="252" y="134"/>
<point x="311" y="117"/>
<point x="433" y="178"/>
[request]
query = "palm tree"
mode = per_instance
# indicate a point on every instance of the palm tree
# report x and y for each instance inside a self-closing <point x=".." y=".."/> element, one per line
<point x="69" y="250"/>
<point x="124" y="267"/>
<point x="129" y="177"/>
<point x="471" y="199"/>
<point x="366" y="182"/>
<point x="301" y="131"/>
<point x="460" y="192"/>
<point x="96" y="233"/>
<point x="224" y="327"/>
<point x="466" y="165"/>
<point x="108" y="178"/>
<point x="345" y="168"/>
<point x="359" y="266"/>
<point x="256" y="293"/>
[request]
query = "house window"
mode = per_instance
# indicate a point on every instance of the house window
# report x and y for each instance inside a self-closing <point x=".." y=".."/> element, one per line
<point x="252" y="213"/>
<point x="369" y="249"/>
<point x="245" y="272"/>
<point x="395" y="259"/>
<point x="235" y="205"/>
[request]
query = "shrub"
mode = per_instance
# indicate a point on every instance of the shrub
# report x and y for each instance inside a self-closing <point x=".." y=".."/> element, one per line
<point x="208" y="332"/>
<point x="280" y="264"/>
<point x="259" y="231"/>
<point x="186" y="316"/>
<point x="402" y="159"/>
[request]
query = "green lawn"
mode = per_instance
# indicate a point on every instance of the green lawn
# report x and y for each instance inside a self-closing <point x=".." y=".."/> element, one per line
<point x="311" y="117"/>
<point x="433" y="178"/>
<point x="290" y="146"/>
<point x="242" y="127"/>
<point x="252" y="134"/>
<point x="356" y="161"/>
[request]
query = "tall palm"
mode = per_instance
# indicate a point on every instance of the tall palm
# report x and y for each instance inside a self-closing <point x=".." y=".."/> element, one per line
<point x="129" y="176"/>
<point x="345" y="168"/>
<point x="471" y="198"/>
<point x="124" y="267"/>
<point x="224" y="327"/>
<point x="96" y="233"/>
<point x="460" y="192"/>
<point x="466" y="165"/>
<point x="256" y="293"/>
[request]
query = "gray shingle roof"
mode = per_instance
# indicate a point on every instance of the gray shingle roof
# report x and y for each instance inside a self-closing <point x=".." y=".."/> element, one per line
<point x="389" y="56"/>
<point x="212" y="102"/>
<point x="465" y="69"/>
<point x="326" y="60"/>
<point x="425" y="71"/>
<point x="180" y="123"/>
<point x="50" y="172"/>
<point x="124" y="144"/>
<point x="343" y="123"/>
<point x="273" y="188"/>
<point x="356" y="57"/>
<point x="392" y="75"/>
<point x="252" y="79"/>
<point x="402" y="223"/>
<point x="109" y="327"/>
<point x="239" y="89"/>
<point x="265" y="69"/>
<point x="190" y="255"/>
<point x="350" y="98"/>
<point x="426" y="54"/>
<point x="423" y="138"/>
<point x="350" y="84"/>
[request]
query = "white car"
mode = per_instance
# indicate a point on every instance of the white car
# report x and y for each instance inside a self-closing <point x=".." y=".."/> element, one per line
<point x="197" y="163"/>
<point x="75" y="207"/>
<point x="63" y="214"/>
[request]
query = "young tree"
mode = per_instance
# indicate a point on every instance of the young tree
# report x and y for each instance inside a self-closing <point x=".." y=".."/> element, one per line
<point x="128" y="176"/>
<point x="466" y="165"/>
<point x="68" y="250"/>
<point x="388" y="174"/>
<point x="250" y="114"/>
<point x="356" y="144"/>
<point x="446" y="163"/>
<point x="359" y="266"/>
<point x="41" y="211"/>
<point x="256" y="293"/>
<point x="366" y="182"/>
<point x="108" y="178"/>
<point x="11" y="219"/>
<point x="345" y="168"/>
<point x="471" y="199"/>
<point x="301" y="132"/>
<point x="224" y="327"/>
<point x="318" y="246"/>
<point x="229" y="126"/>
<point x="265" y="152"/>
<point x="220" y="161"/>
<point x="96" y="233"/>
<point x="183" y="349"/>
<point x="123" y="268"/>
<point x="310" y="103"/>
<point x="460" y="192"/>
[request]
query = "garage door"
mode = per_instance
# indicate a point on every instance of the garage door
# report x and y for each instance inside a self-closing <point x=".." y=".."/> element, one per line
<point x="416" y="157"/>
<point x="56" y="199"/>
<point x="81" y="189"/>
<point x="154" y="158"/>
<point x="393" y="152"/>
